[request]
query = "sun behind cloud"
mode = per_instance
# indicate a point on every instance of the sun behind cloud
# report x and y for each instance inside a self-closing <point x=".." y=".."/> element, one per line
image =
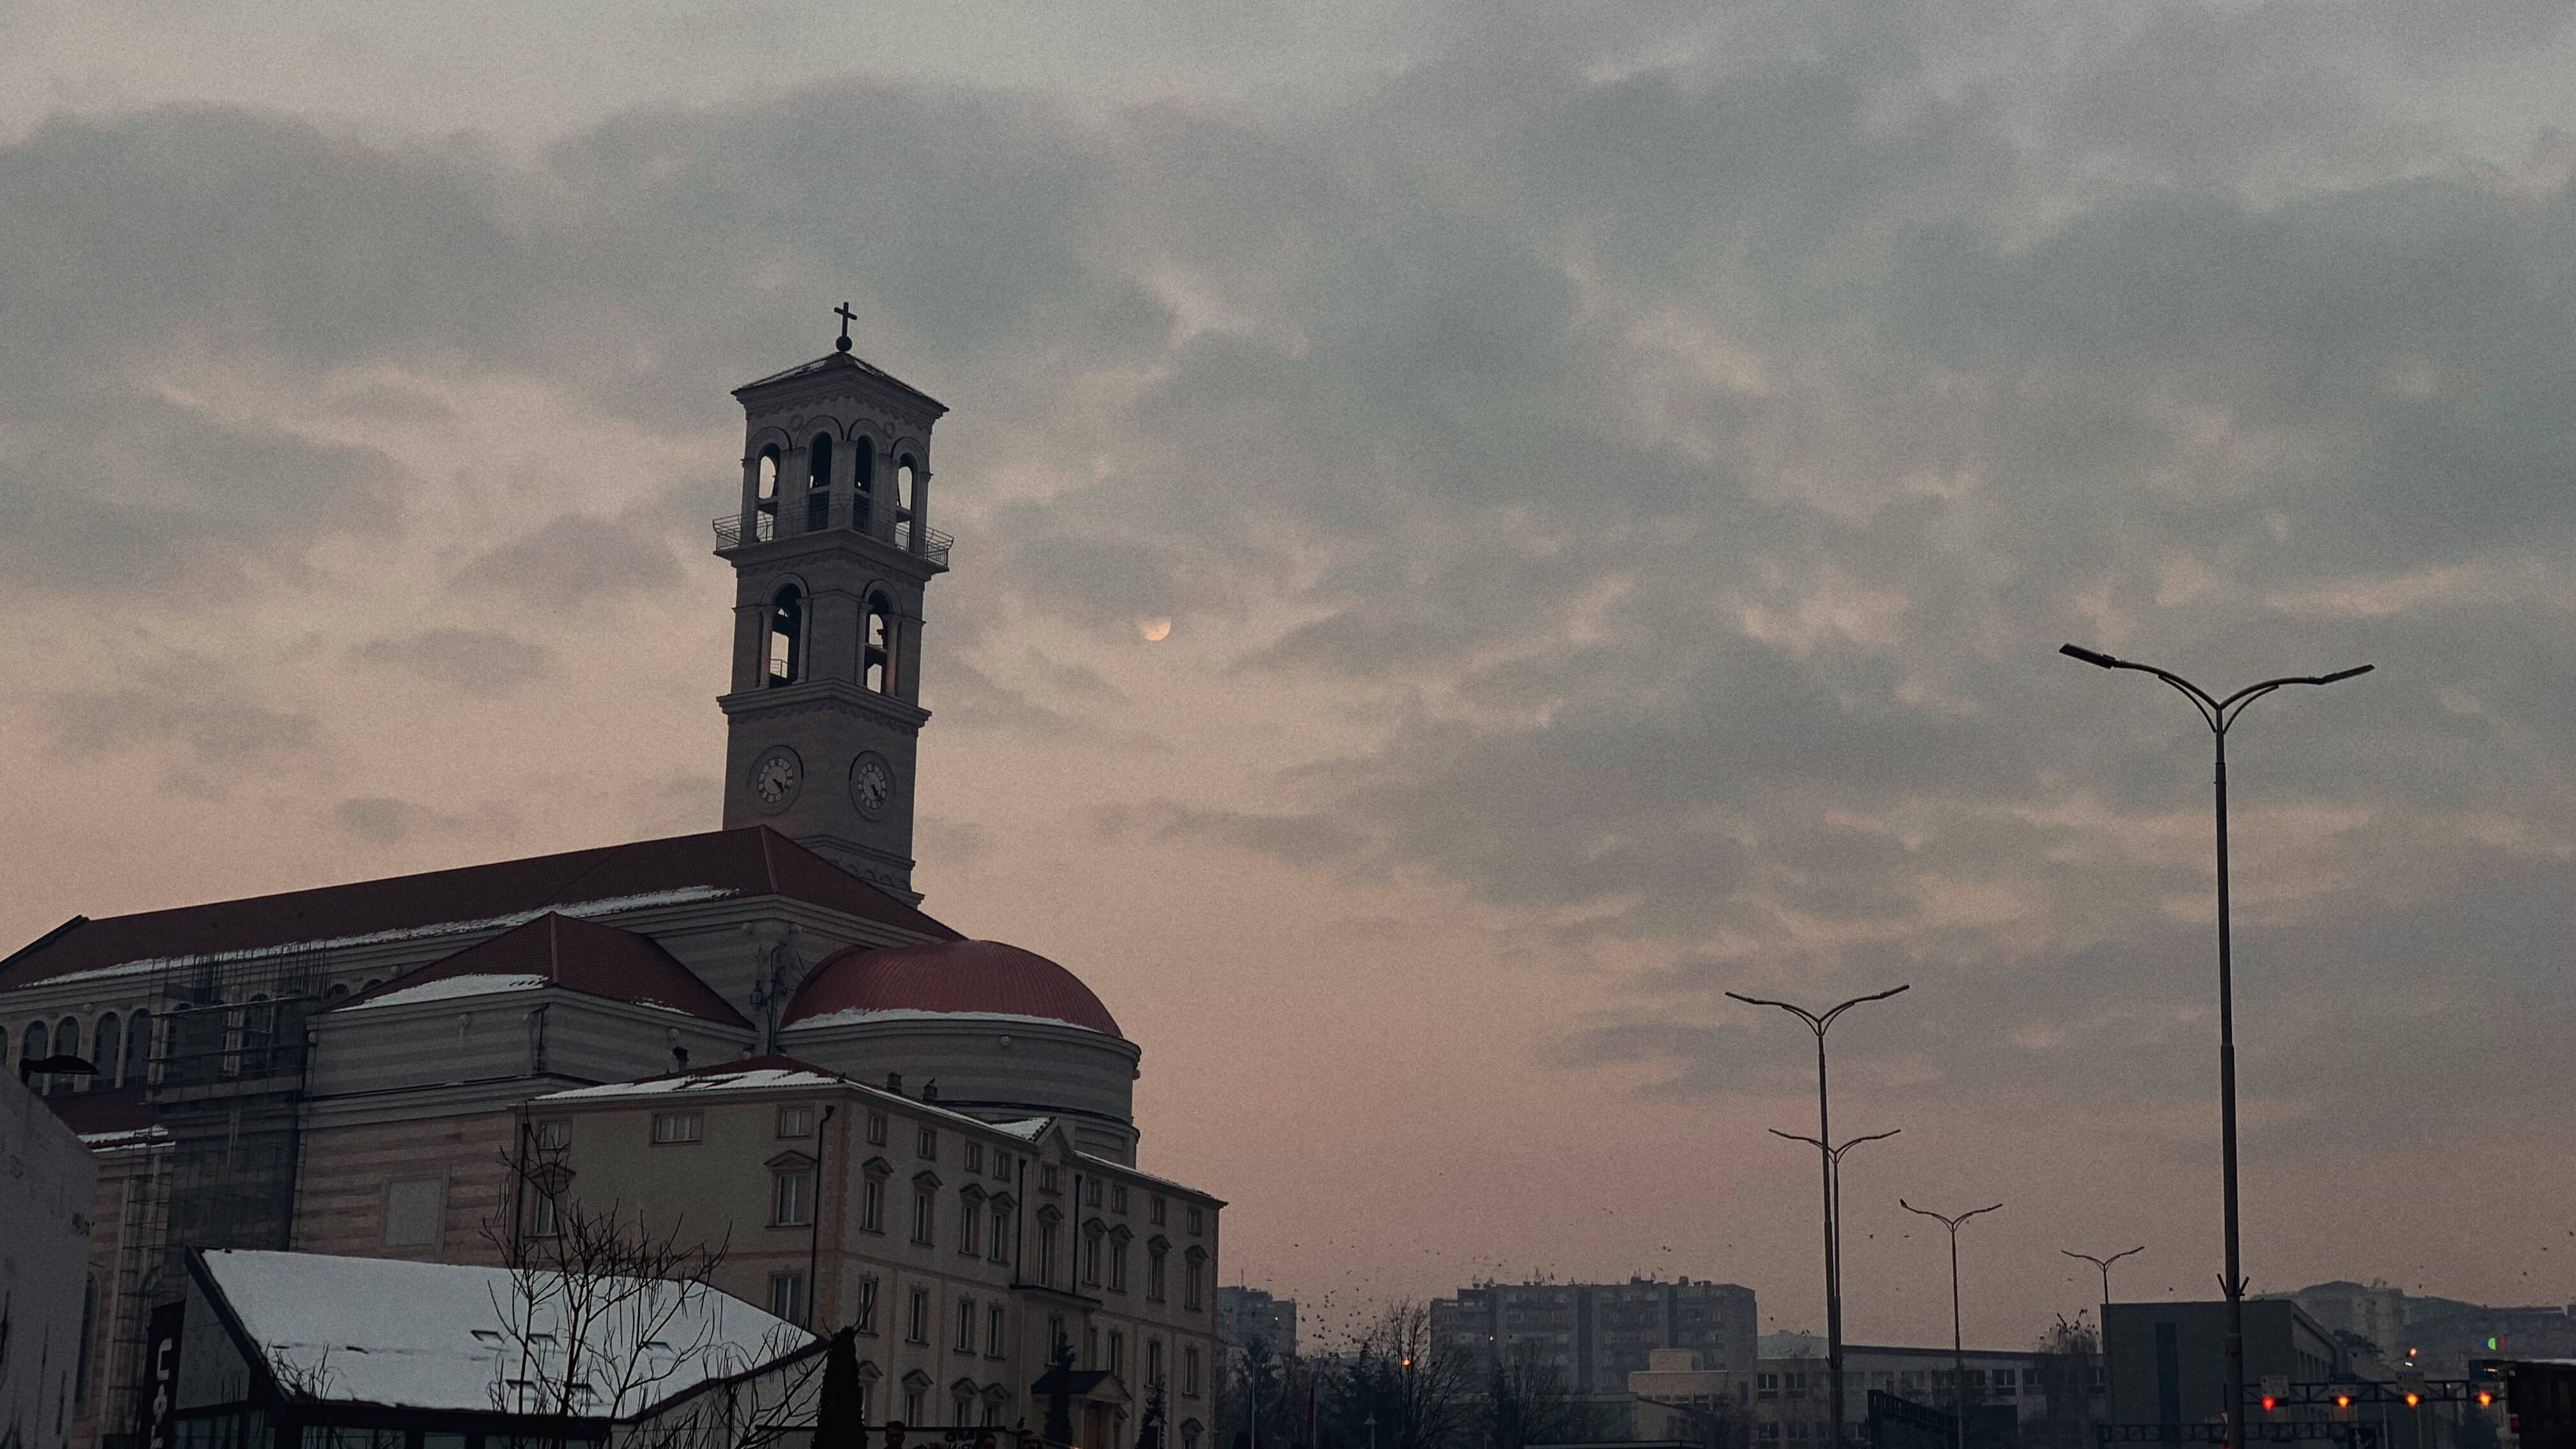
<point x="1155" y="628"/>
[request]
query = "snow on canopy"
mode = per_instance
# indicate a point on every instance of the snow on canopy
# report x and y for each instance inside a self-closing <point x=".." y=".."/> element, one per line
<point x="460" y="1337"/>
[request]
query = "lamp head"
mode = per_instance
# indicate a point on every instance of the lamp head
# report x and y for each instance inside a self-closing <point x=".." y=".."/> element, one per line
<point x="2078" y="651"/>
<point x="2345" y="674"/>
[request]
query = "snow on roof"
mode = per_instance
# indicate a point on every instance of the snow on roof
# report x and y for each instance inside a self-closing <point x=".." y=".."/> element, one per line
<point x="128" y="1137"/>
<point x="449" y="988"/>
<point x="477" y="1339"/>
<point x="854" y="1015"/>
<point x="719" y="1080"/>
<point x="682" y="895"/>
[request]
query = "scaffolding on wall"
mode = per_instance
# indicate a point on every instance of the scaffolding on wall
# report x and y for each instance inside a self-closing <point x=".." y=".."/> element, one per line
<point x="225" y="1082"/>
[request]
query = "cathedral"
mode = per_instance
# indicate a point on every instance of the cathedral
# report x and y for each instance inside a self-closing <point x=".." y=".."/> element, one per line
<point x="756" y="1030"/>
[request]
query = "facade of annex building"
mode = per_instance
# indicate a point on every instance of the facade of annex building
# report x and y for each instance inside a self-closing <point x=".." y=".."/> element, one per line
<point x="754" y="1032"/>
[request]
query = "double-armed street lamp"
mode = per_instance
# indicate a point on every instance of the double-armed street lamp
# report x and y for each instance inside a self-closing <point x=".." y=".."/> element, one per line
<point x="1831" y="1164"/>
<point x="2102" y="1325"/>
<point x="1958" y="1352"/>
<point x="2220" y="715"/>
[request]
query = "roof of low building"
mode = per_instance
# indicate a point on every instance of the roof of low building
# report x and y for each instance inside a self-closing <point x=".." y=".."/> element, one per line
<point x="466" y="1333"/>
<point x="752" y="861"/>
<point x="560" y="950"/>
<point x="947" y="978"/>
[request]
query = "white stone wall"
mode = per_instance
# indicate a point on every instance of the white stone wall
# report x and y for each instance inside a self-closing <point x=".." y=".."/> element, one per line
<point x="48" y="1185"/>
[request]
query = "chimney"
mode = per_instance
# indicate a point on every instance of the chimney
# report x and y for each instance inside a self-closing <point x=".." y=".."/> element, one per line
<point x="930" y="1090"/>
<point x="894" y="1083"/>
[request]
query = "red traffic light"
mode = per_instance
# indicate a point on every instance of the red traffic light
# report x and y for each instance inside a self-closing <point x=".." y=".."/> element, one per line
<point x="2270" y="1403"/>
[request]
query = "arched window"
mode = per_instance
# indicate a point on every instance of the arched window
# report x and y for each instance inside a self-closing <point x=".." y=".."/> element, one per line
<point x="865" y="477"/>
<point x="109" y="1043"/>
<point x="907" y="473"/>
<point x="786" y="636"/>
<point x="818" y="483"/>
<point x="877" y="666"/>
<point x="768" y="501"/>
<point x="38" y="1042"/>
<point x="138" y="1048"/>
<point x="339" y="992"/>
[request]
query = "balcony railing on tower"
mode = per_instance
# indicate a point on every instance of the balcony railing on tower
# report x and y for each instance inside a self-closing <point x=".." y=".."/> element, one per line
<point x="933" y="545"/>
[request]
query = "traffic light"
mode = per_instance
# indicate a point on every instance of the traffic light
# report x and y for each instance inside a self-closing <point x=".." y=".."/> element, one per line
<point x="2270" y="1403"/>
<point x="2343" y="1401"/>
<point x="2485" y="1397"/>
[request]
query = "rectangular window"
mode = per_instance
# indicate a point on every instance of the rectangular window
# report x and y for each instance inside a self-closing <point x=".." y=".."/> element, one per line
<point x="554" y="1136"/>
<point x="413" y="1211"/>
<point x="923" y="1206"/>
<point x="1091" y="1259"/>
<point x="1770" y="1433"/>
<point x="917" y="1326"/>
<point x="1118" y="1265"/>
<point x="965" y="1325"/>
<point x="792" y="1201"/>
<point x="1198" y="1220"/>
<point x="872" y="1205"/>
<point x="1001" y="1233"/>
<point x="1153" y="1362"/>
<point x="1155" y="1209"/>
<point x="972" y="1156"/>
<point x="1047" y="1178"/>
<point x="866" y="1321"/>
<point x="1155" y="1287"/>
<point x="545" y="1213"/>
<point x="1002" y="1164"/>
<point x="787" y="1296"/>
<point x="1046" y="1254"/>
<point x="1091" y="1192"/>
<point x="970" y="1227"/>
<point x="1194" y="1284"/>
<point x="1118" y="1198"/>
<point x="795" y="1121"/>
<point x="928" y="1147"/>
<point x="912" y="1405"/>
<point x="876" y="1129"/>
<point x="676" y="1127"/>
<point x="993" y="1331"/>
<point x="1117" y="1364"/>
<point x="1190" y="1372"/>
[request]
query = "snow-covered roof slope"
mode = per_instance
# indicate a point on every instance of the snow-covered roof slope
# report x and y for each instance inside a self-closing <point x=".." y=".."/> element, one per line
<point x="450" y="988"/>
<point x="709" y="1080"/>
<point x="459" y="1337"/>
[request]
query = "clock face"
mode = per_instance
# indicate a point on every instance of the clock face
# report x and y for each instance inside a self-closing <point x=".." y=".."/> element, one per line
<point x="871" y="784"/>
<point x="775" y="776"/>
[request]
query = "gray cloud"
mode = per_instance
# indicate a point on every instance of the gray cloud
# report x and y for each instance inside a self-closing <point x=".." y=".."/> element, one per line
<point x="476" y="661"/>
<point x="215" y="727"/>
<point x="571" y="560"/>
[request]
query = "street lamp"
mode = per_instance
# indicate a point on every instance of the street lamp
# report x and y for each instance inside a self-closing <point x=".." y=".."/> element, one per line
<point x="2102" y="1325"/>
<point x="1958" y="1354"/>
<point x="1834" y="1221"/>
<point x="1820" y="1023"/>
<point x="2221" y="715"/>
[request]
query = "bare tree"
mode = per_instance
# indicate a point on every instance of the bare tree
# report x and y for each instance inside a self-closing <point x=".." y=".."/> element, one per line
<point x="1418" y="1393"/>
<point x="1528" y="1401"/>
<point x="602" y="1316"/>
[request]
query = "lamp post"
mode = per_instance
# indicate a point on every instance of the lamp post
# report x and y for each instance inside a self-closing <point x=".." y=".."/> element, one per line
<point x="2221" y="715"/>
<point x="1958" y="1353"/>
<point x="1820" y="1023"/>
<point x="2102" y="1324"/>
<point x="1834" y="1215"/>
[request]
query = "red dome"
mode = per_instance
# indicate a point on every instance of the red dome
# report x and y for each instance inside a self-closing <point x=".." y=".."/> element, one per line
<point x="983" y="978"/>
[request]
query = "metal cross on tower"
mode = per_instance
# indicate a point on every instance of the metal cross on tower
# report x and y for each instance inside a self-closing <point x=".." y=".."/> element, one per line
<point x="847" y="317"/>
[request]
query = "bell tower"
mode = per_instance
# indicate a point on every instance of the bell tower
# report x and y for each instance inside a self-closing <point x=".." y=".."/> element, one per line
<point x="831" y="550"/>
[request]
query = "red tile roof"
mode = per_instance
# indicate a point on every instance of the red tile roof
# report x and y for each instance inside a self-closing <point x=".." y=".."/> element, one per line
<point x="963" y="977"/>
<point x="579" y="956"/>
<point x="753" y="861"/>
<point x="91" y="1113"/>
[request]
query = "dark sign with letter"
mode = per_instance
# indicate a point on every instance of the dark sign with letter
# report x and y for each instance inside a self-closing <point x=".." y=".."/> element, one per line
<point x="161" y="1376"/>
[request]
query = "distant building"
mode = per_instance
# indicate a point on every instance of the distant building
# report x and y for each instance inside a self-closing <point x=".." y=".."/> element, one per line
<point x="46" y="1292"/>
<point x="1787" y="1402"/>
<point x="2440" y="1337"/>
<point x="1790" y="1345"/>
<point x="1596" y="1334"/>
<point x="1245" y="1314"/>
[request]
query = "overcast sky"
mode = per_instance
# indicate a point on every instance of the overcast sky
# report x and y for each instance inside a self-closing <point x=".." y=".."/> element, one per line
<point x="1618" y="474"/>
